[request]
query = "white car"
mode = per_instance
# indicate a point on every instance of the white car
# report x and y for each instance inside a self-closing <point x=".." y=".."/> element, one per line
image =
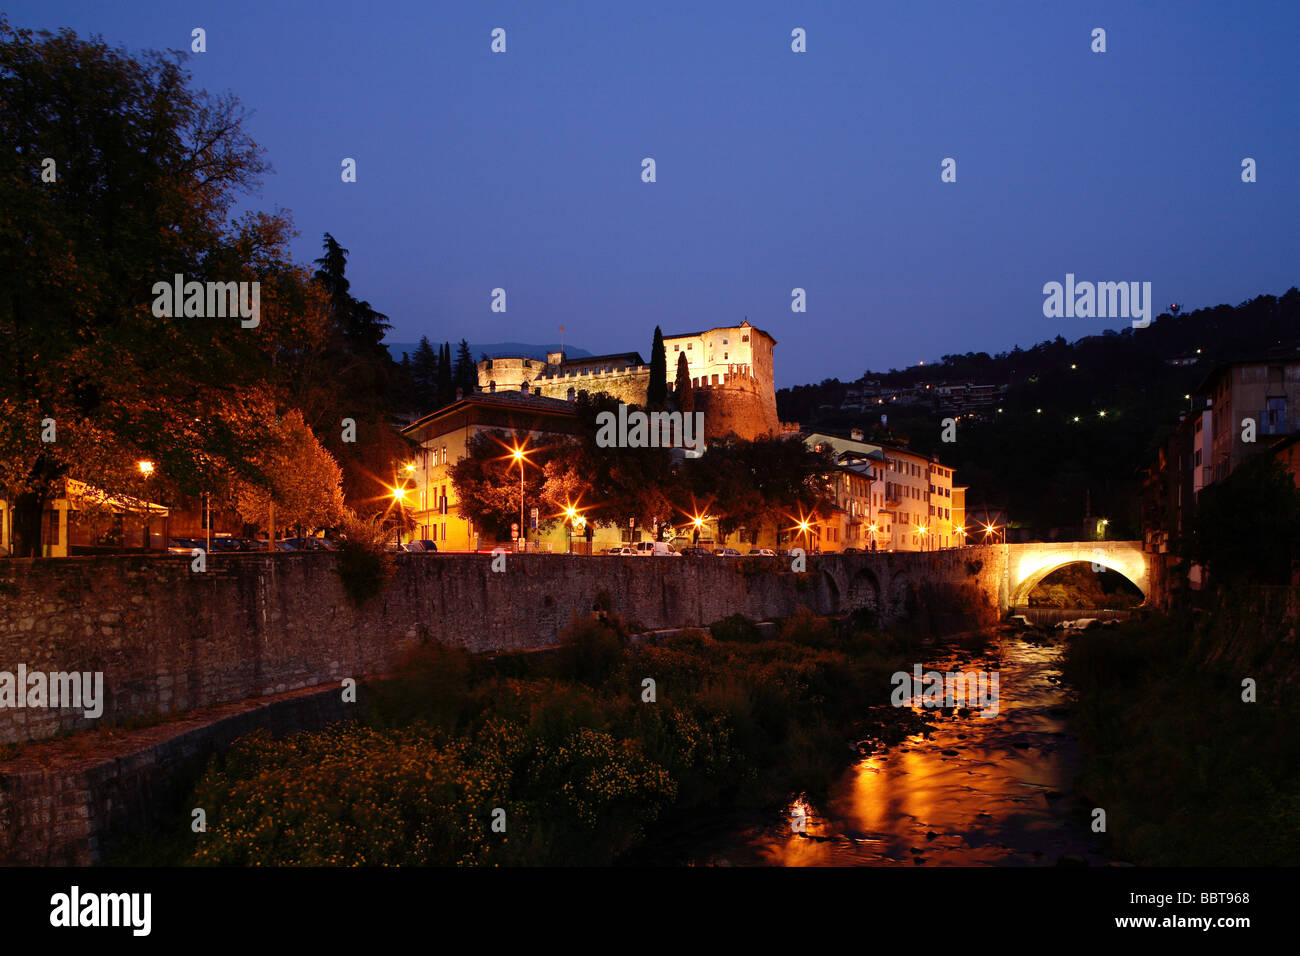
<point x="618" y="552"/>
<point x="763" y="552"/>
<point x="648" y="548"/>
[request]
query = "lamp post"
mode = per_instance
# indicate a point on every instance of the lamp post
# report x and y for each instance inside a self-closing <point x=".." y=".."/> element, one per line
<point x="518" y="455"/>
<point x="399" y="499"/>
<point x="571" y="513"/>
<point x="146" y="471"/>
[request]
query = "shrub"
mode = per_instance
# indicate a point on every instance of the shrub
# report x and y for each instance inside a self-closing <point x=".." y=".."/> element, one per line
<point x="590" y="649"/>
<point x="363" y="561"/>
<point x="735" y="628"/>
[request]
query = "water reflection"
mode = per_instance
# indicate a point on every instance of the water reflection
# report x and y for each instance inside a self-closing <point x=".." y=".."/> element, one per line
<point x="977" y="791"/>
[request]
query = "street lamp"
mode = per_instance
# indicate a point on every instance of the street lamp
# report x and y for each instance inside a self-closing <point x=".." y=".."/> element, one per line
<point x="517" y="453"/>
<point x="399" y="499"/>
<point x="146" y="470"/>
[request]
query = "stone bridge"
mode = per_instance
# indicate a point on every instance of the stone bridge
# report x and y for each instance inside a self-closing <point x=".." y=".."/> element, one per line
<point x="1027" y="564"/>
<point x="168" y="640"/>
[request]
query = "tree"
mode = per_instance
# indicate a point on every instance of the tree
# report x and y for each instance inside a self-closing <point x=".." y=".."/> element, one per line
<point x="362" y="327"/>
<point x="1247" y="527"/>
<point x="466" y="373"/>
<point x="656" y="396"/>
<point x="486" y="480"/>
<point x="357" y="381"/>
<point x="446" y="390"/>
<point x="424" y="375"/>
<point x="146" y="173"/>
<point x="683" y="392"/>
<point x="295" y="473"/>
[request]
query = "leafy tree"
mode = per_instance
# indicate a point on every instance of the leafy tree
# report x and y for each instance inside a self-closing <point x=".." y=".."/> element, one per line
<point x="487" y="481"/>
<point x="356" y="380"/>
<point x="295" y="473"/>
<point x="146" y="173"/>
<point x="1247" y="527"/>
<point x="657" y="391"/>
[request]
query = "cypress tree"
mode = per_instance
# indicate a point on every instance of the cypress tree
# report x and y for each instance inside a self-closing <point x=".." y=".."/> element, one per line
<point x="656" y="395"/>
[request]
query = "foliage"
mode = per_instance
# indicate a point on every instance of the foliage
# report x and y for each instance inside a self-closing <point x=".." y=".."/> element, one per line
<point x="683" y="391"/>
<point x="298" y="475"/>
<point x="657" y="390"/>
<point x="1247" y="527"/>
<point x="364" y="563"/>
<point x="580" y="764"/>
<point x="1189" y="774"/>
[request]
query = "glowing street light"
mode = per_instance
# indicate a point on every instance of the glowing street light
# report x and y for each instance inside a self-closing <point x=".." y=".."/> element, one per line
<point x="146" y="468"/>
<point x="520" y="456"/>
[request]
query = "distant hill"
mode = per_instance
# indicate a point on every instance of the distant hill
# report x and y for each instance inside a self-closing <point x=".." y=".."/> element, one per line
<point x="492" y="350"/>
<point x="1078" y="420"/>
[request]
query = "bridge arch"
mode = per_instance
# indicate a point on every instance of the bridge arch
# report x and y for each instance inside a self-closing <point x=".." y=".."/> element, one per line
<point x="1029" y="563"/>
<point x="864" y="591"/>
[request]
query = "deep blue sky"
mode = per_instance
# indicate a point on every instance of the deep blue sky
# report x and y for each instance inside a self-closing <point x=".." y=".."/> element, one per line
<point x="775" y="169"/>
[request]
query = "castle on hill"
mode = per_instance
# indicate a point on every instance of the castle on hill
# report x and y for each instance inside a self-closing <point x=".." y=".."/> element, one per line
<point x="730" y="369"/>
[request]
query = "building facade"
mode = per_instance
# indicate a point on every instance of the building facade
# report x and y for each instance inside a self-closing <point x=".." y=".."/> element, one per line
<point x="443" y="438"/>
<point x="731" y="372"/>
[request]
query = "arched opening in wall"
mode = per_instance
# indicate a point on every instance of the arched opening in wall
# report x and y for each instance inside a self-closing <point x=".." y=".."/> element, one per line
<point x="832" y="593"/>
<point x="864" y="591"/>
<point x="571" y="395"/>
<point x="1075" y="589"/>
<point x="901" y="594"/>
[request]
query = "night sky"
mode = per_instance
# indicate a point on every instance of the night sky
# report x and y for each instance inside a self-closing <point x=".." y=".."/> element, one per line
<point x="819" y="170"/>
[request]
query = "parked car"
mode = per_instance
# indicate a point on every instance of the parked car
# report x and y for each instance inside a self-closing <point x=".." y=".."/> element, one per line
<point x="659" y="548"/>
<point x="183" y="545"/>
<point x="852" y="551"/>
<point x="763" y="552"/>
<point x="726" y="552"/>
<point x="311" y="544"/>
<point x="625" y="552"/>
<point x="695" y="551"/>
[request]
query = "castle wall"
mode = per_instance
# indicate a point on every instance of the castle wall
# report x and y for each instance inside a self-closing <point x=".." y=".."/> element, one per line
<point x="740" y="406"/>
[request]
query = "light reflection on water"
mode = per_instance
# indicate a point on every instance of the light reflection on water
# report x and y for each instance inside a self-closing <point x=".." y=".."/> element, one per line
<point x="978" y="791"/>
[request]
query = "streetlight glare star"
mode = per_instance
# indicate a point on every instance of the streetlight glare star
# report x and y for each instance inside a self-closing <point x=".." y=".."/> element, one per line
<point x="146" y="467"/>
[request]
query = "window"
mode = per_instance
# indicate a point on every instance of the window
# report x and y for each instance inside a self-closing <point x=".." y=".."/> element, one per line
<point x="688" y="346"/>
<point x="1275" y="417"/>
<point x="744" y="338"/>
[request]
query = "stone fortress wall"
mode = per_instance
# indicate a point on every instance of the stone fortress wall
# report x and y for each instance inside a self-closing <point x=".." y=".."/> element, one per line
<point x="731" y="373"/>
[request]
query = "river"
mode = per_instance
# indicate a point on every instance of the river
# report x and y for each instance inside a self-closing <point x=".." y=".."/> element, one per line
<point x="978" y="791"/>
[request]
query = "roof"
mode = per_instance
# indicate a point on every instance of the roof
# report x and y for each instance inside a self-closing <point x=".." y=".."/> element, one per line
<point x="1290" y="356"/>
<point x="503" y="399"/>
<point x="718" y="328"/>
<point x="627" y="358"/>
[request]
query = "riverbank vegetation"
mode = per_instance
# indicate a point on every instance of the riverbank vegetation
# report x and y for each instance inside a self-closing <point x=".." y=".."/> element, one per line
<point x="565" y="757"/>
<point x="1189" y="773"/>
